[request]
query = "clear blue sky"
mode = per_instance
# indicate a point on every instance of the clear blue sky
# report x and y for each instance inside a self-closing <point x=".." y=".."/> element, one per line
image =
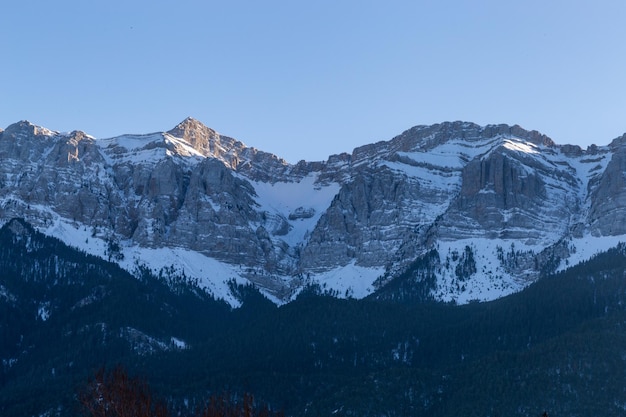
<point x="306" y="79"/>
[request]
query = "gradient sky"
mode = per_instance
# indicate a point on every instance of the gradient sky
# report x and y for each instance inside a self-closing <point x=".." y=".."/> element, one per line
<point x="307" y="79"/>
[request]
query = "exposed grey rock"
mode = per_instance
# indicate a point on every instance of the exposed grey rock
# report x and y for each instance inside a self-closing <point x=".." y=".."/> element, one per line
<point x="507" y="195"/>
<point x="607" y="215"/>
<point x="302" y="213"/>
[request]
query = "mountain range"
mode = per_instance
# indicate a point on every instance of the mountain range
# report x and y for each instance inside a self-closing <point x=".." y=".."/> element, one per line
<point x="341" y="287"/>
<point x="484" y="210"/>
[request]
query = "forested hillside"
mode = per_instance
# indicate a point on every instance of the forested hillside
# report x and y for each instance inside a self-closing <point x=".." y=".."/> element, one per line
<point x="558" y="346"/>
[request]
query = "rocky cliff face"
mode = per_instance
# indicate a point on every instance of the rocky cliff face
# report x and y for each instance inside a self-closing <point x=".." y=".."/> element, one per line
<point x="608" y="193"/>
<point x="513" y="197"/>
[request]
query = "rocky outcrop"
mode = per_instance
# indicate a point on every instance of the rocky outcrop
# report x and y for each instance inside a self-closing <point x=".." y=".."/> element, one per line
<point x="510" y="194"/>
<point x="607" y="215"/>
<point x="365" y="222"/>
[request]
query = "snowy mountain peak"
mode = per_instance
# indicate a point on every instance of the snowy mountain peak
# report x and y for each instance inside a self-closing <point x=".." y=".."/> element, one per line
<point x="24" y="128"/>
<point x="426" y="137"/>
<point x="208" y="142"/>
<point x="457" y="139"/>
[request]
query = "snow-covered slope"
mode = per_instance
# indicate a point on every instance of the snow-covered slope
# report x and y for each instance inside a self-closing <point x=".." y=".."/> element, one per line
<point x="499" y="204"/>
